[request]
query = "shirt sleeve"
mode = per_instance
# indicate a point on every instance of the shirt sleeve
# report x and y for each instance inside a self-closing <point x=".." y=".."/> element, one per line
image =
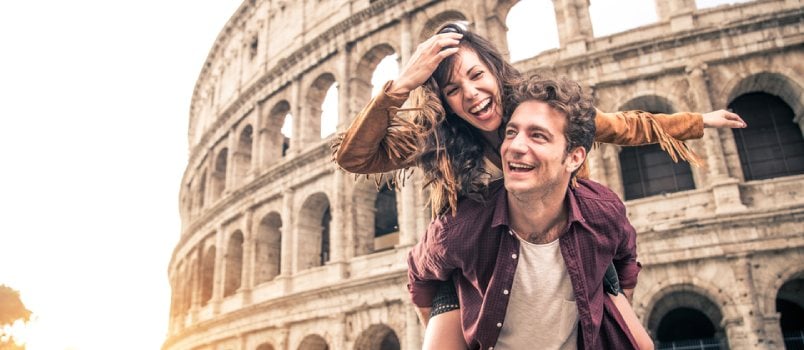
<point x="363" y="148"/>
<point x="625" y="259"/>
<point x="427" y="266"/>
<point x="634" y="128"/>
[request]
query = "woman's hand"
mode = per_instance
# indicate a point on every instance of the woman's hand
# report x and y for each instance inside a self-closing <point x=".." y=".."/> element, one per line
<point x="723" y="119"/>
<point x="424" y="61"/>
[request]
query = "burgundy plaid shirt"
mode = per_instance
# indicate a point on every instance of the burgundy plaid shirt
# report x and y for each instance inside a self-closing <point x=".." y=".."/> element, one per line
<point x="476" y="249"/>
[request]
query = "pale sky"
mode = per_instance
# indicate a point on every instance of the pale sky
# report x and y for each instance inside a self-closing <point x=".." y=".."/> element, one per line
<point x="94" y="101"/>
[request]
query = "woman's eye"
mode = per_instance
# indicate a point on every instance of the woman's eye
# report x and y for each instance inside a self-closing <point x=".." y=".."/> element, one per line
<point x="450" y="92"/>
<point x="477" y="75"/>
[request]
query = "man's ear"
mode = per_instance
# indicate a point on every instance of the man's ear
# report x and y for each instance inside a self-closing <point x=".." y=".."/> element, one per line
<point x="575" y="158"/>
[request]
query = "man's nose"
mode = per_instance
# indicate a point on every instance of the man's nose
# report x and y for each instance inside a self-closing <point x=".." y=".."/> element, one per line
<point x="518" y="144"/>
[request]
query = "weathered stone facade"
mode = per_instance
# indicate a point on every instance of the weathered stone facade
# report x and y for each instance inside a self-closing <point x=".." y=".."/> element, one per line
<point x="251" y="272"/>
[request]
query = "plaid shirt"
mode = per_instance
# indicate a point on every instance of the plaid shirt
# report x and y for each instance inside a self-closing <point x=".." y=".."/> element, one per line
<point x="476" y="248"/>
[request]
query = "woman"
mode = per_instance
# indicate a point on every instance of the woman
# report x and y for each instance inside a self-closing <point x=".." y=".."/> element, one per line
<point x="453" y="137"/>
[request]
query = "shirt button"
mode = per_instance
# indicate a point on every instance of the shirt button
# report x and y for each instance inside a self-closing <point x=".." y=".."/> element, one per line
<point x="513" y="256"/>
<point x="499" y="324"/>
<point x="505" y="291"/>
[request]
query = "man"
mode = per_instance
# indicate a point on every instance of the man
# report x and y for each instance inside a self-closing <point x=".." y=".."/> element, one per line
<point x="529" y="262"/>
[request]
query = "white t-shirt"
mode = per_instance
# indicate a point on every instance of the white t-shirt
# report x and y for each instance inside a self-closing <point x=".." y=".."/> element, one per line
<point x="541" y="313"/>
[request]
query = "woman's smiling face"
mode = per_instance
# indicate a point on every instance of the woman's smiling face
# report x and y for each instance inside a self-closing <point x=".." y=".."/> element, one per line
<point x="473" y="91"/>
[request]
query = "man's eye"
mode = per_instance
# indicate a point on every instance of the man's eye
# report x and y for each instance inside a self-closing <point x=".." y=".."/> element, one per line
<point x="510" y="132"/>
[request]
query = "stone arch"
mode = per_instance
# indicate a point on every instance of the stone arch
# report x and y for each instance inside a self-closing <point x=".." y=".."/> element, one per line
<point x="218" y="178"/>
<point x="314" y="228"/>
<point x="648" y="170"/>
<point x="789" y="304"/>
<point x="234" y="263"/>
<point x="265" y="346"/>
<point x="771" y="146"/>
<point x="207" y="274"/>
<point x="361" y="85"/>
<point x="275" y="144"/>
<point x="437" y="21"/>
<point x="313" y="119"/>
<point x="702" y="314"/>
<point x="377" y="337"/>
<point x="241" y="157"/>
<point x="313" y="342"/>
<point x="364" y="194"/>
<point x="519" y="35"/>
<point x="268" y="254"/>
<point x="780" y="84"/>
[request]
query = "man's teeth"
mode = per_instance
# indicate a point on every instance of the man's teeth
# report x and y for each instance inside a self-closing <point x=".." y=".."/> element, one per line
<point x="519" y="166"/>
<point x="480" y="106"/>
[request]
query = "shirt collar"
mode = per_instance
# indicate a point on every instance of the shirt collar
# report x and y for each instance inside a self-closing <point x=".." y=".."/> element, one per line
<point x="500" y="201"/>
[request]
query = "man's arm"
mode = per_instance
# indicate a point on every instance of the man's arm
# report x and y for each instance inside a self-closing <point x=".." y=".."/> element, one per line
<point x="424" y="314"/>
<point x="427" y="266"/>
<point x="625" y="258"/>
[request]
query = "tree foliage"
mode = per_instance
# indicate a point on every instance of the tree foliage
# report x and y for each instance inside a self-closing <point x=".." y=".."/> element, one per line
<point x="11" y="307"/>
<point x="11" y="310"/>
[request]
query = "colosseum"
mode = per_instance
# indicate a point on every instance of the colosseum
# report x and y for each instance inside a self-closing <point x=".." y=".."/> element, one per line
<point x="280" y="249"/>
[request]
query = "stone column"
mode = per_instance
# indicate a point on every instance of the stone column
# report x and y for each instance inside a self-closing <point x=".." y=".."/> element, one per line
<point x="725" y="189"/>
<point x="406" y="203"/>
<point x="257" y="146"/>
<point x="677" y="12"/>
<point x="594" y="161"/>
<point x="574" y="26"/>
<point x="612" y="169"/>
<point x="231" y="161"/>
<point x="405" y="40"/>
<point x="413" y="329"/>
<point x="341" y="246"/>
<point x="288" y="230"/>
<point x="344" y="89"/>
<point x="296" y="103"/>
<point x="249" y="246"/>
<point x="218" y="277"/>
<point x="750" y="333"/>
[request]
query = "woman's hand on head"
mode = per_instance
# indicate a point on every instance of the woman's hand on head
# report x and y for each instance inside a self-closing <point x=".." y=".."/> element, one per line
<point x="425" y="60"/>
<point x="723" y="119"/>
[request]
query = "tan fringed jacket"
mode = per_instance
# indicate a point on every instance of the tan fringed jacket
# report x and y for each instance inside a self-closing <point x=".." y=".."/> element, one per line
<point x="364" y="148"/>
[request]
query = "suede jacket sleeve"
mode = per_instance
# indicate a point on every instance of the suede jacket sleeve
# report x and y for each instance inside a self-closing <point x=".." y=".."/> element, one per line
<point x="362" y="149"/>
<point x="632" y="128"/>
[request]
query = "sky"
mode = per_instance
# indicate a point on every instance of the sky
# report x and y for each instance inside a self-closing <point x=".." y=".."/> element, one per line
<point x="94" y="103"/>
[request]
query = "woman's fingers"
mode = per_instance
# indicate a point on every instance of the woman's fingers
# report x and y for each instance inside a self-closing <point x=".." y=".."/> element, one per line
<point x="425" y="60"/>
<point x="723" y="119"/>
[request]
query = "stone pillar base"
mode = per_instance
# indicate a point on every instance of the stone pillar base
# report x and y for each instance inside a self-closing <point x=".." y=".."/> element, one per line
<point x="727" y="196"/>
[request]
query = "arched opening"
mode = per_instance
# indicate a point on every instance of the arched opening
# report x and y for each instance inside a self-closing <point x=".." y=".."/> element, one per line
<point x="234" y="264"/>
<point x="790" y="304"/>
<point x="219" y="174"/>
<point x="772" y="145"/>
<point x="207" y="275"/>
<point x="387" y="69"/>
<point x="437" y="21"/>
<point x="688" y="320"/>
<point x="377" y="337"/>
<point x="313" y="342"/>
<point x="639" y="13"/>
<point x="648" y="170"/>
<point x="322" y="106"/>
<point x="265" y="346"/>
<point x="526" y="18"/>
<point x="329" y="112"/>
<point x="275" y="134"/>
<point x="386" y="219"/>
<point x="313" y="226"/>
<point x="242" y="156"/>
<point x="268" y="256"/>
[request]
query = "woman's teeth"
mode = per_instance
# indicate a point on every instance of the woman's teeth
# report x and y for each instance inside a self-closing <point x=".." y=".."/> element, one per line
<point x="481" y="106"/>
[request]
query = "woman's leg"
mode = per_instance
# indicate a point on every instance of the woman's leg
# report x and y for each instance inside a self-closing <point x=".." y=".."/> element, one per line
<point x="444" y="330"/>
<point x="639" y="333"/>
